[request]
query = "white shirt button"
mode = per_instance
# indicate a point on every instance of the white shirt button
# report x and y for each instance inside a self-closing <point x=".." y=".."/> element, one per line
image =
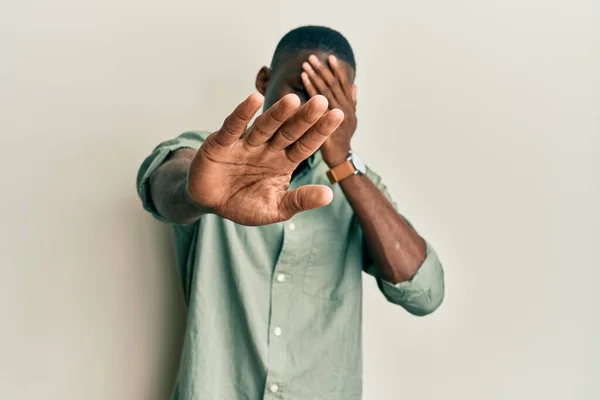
<point x="274" y="388"/>
<point x="280" y="277"/>
<point x="292" y="227"/>
<point x="277" y="331"/>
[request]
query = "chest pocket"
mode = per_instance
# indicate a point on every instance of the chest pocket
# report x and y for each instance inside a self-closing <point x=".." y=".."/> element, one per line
<point x="333" y="270"/>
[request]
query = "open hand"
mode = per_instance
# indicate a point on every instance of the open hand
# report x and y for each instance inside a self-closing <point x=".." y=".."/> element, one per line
<point x="332" y="82"/>
<point x="243" y="174"/>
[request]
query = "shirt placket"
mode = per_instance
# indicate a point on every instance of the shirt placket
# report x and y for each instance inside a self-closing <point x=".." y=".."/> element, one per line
<point x="282" y="282"/>
<point x="285" y="276"/>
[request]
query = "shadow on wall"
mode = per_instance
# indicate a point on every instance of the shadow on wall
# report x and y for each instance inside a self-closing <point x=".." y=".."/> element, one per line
<point x="162" y="305"/>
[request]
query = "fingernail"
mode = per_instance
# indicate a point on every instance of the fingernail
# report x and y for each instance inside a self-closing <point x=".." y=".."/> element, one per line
<point x="304" y="75"/>
<point x="313" y="58"/>
<point x="306" y="66"/>
<point x="333" y="59"/>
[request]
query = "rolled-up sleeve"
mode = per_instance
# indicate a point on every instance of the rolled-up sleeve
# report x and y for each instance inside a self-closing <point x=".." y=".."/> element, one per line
<point x="192" y="139"/>
<point x="424" y="292"/>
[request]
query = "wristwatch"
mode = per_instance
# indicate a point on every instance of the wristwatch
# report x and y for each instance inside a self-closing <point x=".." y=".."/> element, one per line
<point x="351" y="166"/>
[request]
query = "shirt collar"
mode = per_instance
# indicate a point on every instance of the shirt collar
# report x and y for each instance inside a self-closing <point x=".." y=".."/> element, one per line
<point x="314" y="159"/>
<point x="308" y="165"/>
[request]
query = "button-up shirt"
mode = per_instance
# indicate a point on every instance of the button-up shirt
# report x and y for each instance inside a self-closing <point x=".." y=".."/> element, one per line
<point x="274" y="311"/>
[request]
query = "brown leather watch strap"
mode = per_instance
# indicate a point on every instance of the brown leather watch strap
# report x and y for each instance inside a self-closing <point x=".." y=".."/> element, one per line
<point x="341" y="171"/>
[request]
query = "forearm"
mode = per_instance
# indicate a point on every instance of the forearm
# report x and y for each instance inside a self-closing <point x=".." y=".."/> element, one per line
<point x="169" y="192"/>
<point x="394" y="245"/>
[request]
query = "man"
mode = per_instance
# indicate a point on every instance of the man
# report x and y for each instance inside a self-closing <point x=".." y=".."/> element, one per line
<point x="273" y="226"/>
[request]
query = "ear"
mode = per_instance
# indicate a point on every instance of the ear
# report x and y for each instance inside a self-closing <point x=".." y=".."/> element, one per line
<point x="262" y="80"/>
<point x="354" y="94"/>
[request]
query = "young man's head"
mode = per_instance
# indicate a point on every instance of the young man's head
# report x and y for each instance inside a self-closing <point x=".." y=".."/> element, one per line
<point x="283" y="77"/>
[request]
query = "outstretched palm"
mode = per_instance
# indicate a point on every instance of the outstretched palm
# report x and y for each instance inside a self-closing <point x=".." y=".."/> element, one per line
<point x="244" y="174"/>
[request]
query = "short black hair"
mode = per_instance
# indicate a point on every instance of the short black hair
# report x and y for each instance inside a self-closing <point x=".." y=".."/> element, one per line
<point x="312" y="37"/>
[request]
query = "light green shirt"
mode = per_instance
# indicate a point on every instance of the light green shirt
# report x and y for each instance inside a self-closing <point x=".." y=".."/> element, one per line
<point x="274" y="312"/>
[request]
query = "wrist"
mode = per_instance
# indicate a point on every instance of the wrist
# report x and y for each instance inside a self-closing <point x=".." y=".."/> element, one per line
<point x="336" y="157"/>
<point x="190" y="200"/>
<point x="352" y="165"/>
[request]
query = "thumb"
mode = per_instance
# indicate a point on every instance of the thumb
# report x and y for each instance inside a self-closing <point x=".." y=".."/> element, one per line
<point x="304" y="198"/>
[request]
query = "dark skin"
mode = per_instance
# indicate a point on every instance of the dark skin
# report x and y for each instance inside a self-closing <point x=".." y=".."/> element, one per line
<point x="243" y="174"/>
<point x="389" y="240"/>
<point x="289" y="80"/>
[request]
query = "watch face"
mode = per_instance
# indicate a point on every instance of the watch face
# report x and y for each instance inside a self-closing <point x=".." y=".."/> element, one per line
<point x="358" y="163"/>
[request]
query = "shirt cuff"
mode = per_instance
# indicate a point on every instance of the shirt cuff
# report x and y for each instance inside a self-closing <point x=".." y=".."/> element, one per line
<point x="191" y="140"/>
<point x="424" y="292"/>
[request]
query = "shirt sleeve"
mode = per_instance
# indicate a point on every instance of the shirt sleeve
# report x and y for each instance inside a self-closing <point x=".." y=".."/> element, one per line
<point x="424" y="292"/>
<point x="192" y="139"/>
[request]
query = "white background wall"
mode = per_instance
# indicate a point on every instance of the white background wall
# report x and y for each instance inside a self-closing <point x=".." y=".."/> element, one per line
<point x="482" y="116"/>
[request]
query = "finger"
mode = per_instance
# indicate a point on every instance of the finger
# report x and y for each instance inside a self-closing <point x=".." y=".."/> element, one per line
<point x="315" y="137"/>
<point x="296" y="126"/>
<point x="308" y="86"/>
<point x="340" y="75"/>
<point x="271" y="120"/>
<point x="328" y="77"/>
<point x="318" y="82"/>
<point x="304" y="198"/>
<point x="324" y="72"/>
<point x="235" y="124"/>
